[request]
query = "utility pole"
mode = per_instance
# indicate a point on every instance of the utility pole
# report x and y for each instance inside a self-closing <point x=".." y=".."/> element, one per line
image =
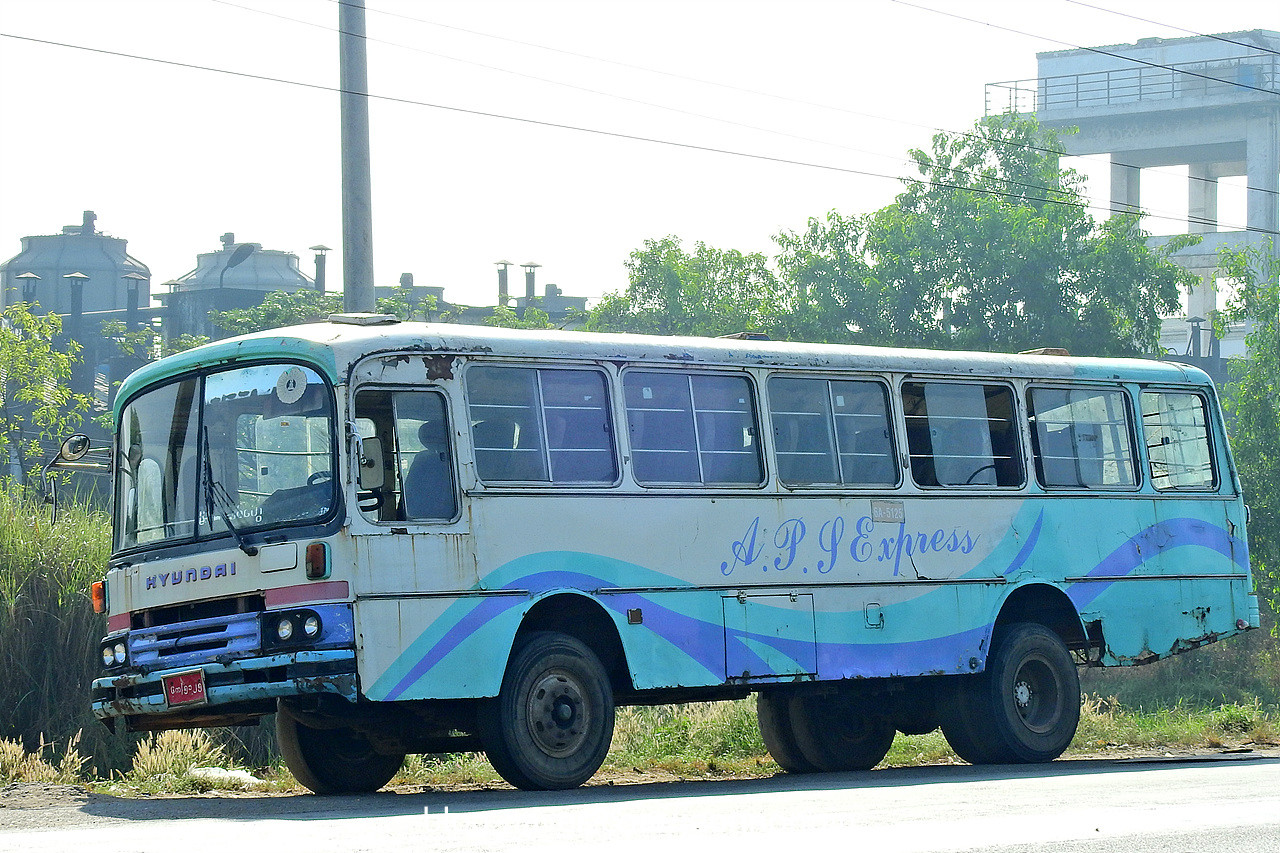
<point x="357" y="195"/>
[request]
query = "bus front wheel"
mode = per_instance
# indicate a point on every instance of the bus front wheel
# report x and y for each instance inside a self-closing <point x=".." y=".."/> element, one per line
<point x="550" y="726"/>
<point x="1024" y="709"/>
<point x="840" y="732"/>
<point x="332" y="760"/>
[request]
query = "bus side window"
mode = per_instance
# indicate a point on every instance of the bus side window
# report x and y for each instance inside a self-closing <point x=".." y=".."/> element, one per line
<point x="961" y="434"/>
<point x="1175" y="426"/>
<point x="1080" y="438"/>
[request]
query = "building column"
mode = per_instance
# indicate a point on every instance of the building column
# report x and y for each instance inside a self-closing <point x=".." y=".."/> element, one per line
<point x="1126" y="183"/>
<point x="1202" y="198"/>
<point x="1262" y="212"/>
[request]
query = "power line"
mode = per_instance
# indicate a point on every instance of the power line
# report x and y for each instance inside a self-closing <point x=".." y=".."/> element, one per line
<point x="759" y="93"/>
<point x="966" y="134"/>
<point x="954" y="171"/>
<point x="1097" y="50"/>
<point x="575" y="128"/>
<point x="1224" y="39"/>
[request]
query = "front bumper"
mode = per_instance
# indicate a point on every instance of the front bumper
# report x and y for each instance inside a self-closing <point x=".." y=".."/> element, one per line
<point x="250" y="683"/>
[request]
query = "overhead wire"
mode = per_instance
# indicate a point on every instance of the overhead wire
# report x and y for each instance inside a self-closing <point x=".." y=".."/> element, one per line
<point x="1254" y="47"/>
<point x="967" y="134"/>
<point x="773" y="96"/>
<point x="574" y="128"/>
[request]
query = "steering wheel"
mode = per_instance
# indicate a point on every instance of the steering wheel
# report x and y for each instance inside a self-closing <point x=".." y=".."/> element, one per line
<point x="319" y="477"/>
<point x="969" y="482"/>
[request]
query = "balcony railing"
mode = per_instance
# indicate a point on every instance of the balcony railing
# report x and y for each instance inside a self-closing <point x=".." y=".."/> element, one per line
<point x="1244" y="77"/>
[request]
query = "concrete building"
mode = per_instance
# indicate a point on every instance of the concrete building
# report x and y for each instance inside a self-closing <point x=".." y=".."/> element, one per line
<point x="237" y="276"/>
<point x="87" y="277"/>
<point x="1210" y="103"/>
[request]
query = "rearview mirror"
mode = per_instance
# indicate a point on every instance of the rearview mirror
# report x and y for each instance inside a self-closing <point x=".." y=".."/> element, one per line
<point x="369" y="474"/>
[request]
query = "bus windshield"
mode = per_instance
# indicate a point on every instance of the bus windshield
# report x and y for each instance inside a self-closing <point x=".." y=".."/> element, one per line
<point x="252" y="447"/>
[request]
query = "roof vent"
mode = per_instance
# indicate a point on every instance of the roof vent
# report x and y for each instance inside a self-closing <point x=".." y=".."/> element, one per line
<point x="364" y="319"/>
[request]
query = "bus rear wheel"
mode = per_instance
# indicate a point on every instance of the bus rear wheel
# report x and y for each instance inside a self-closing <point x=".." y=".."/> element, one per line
<point x="839" y="732"/>
<point x="1024" y="709"/>
<point x="332" y="760"/>
<point x="550" y="726"/>
<point x="773" y="713"/>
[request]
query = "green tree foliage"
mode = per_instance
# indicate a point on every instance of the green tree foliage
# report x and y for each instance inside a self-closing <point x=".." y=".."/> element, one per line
<point x="532" y="317"/>
<point x="279" y="309"/>
<point x="709" y="292"/>
<point x="992" y="248"/>
<point x="37" y="407"/>
<point x="148" y="343"/>
<point x="1252" y="400"/>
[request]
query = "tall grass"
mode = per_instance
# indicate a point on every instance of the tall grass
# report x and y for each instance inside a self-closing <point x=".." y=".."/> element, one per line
<point x="48" y="631"/>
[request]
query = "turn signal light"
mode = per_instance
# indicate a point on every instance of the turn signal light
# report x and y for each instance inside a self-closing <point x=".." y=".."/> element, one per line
<point x="98" y="592"/>
<point x="317" y="561"/>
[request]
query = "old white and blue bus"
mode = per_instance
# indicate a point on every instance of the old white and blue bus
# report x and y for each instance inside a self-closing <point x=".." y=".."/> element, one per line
<point x="402" y="537"/>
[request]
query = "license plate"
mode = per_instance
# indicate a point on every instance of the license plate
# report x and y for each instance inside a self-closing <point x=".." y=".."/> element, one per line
<point x="185" y="688"/>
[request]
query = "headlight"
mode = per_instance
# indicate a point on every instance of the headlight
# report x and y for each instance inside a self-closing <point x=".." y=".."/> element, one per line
<point x="311" y="626"/>
<point x="284" y="629"/>
<point x="108" y="656"/>
<point x="121" y="653"/>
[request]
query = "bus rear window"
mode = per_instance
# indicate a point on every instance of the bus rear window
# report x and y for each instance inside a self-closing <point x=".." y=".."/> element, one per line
<point x="1175" y="426"/>
<point x="961" y="434"/>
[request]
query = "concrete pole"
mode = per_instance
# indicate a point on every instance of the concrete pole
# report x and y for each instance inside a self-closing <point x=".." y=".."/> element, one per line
<point x="357" y="193"/>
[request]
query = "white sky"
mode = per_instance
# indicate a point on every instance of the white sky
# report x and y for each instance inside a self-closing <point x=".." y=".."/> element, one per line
<point x="170" y="158"/>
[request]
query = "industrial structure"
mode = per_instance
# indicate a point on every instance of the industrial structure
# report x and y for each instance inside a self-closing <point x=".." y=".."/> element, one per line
<point x="1210" y="103"/>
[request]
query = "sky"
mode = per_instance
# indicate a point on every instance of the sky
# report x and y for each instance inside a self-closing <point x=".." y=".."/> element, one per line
<point x="559" y="132"/>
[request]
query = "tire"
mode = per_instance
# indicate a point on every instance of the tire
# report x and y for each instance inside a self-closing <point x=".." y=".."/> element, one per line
<point x="1024" y="709"/>
<point x="551" y="724"/>
<point x="840" y="732"/>
<point x="774" y="717"/>
<point x="332" y="761"/>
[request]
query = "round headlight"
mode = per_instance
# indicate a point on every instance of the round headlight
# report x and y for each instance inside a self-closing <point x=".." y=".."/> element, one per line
<point x="121" y="653"/>
<point x="311" y="626"/>
<point x="108" y="656"/>
<point x="284" y="628"/>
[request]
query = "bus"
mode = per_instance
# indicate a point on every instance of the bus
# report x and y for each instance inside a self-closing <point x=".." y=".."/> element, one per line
<point x="404" y="538"/>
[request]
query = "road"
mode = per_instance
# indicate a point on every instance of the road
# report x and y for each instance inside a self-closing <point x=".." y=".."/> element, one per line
<point x="1219" y="803"/>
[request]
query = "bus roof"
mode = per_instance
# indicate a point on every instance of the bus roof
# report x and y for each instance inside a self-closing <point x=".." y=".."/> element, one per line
<point x="333" y="347"/>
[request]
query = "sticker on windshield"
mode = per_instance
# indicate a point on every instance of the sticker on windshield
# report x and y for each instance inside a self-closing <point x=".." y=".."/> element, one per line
<point x="291" y="385"/>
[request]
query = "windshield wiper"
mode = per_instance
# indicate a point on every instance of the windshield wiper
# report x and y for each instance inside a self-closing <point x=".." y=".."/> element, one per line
<point x="216" y="494"/>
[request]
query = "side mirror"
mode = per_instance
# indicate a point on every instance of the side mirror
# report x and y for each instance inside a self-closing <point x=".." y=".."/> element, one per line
<point x="369" y="475"/>
<point x="74" y="448"/>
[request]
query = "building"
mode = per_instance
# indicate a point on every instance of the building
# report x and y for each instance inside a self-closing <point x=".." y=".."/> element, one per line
<point x="237" y="276"/>
<point x="88" y="277"/>
<point x="1210" y="103"/>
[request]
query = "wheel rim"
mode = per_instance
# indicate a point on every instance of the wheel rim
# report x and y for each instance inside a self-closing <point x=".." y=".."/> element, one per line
<point x="557" y="714"/>
<point x="1037" y="695"/>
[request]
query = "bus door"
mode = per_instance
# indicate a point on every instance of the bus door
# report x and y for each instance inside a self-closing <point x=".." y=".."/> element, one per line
<point x="414" y="550"/>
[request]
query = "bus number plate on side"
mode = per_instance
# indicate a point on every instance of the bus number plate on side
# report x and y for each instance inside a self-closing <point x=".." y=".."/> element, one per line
<point x="185" y="688"/>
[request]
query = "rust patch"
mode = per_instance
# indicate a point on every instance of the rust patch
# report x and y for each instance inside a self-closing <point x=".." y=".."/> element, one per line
<point x="439" y="366"/>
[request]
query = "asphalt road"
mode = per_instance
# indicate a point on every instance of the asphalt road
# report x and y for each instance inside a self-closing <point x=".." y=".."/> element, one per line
<point x="1220" y="803"/>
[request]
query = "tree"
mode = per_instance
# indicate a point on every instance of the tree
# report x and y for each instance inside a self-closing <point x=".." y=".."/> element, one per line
<point x="992" y="248"/>
<point x="278" y="309"/>
<point x="709" y="292"/>
<point x="37" y="406"/>
<point x="147" y="343"/>
<point x="1252" y="402"/>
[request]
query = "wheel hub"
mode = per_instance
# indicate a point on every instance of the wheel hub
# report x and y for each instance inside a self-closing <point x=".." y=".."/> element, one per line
<point x="1022" y="694"/>
<point x="557" y="715"/>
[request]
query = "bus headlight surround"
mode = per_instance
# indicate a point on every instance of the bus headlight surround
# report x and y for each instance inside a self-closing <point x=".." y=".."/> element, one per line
<point x="292" y="628"/>
<point x="115" y="653"/>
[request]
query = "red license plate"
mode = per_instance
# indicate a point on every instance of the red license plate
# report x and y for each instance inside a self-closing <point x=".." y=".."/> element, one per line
<point x="185" y="688"/>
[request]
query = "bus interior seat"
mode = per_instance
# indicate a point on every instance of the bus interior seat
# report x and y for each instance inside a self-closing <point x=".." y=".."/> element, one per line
<point x="428" y="484"/>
